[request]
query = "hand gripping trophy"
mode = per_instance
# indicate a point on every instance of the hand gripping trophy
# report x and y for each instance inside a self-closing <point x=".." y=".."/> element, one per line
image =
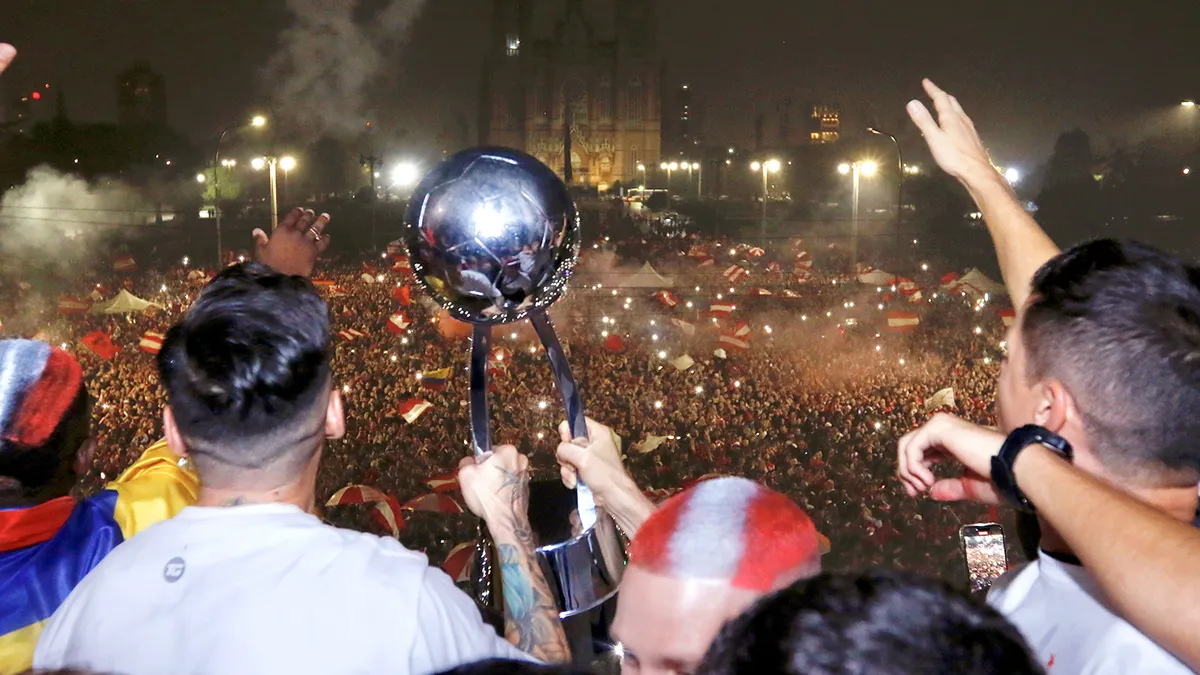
<point x="493" y="236"/>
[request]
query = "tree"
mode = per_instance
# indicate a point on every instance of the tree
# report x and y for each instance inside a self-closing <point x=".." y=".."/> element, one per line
<point x="230" y="184"/>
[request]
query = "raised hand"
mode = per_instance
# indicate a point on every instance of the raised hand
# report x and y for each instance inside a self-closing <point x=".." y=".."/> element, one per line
<point x="7" y="54"/>
<point x="496" y="488"/>
<point x="294" y="246"/>
<point x="952" y="138"/>
<point x="946" y="437"/>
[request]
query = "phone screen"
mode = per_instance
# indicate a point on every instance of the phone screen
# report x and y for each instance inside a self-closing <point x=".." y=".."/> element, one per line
<point x="983" y="546"/>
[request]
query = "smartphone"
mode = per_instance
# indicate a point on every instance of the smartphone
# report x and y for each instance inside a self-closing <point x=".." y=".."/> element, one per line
<point x="983" y="548"/>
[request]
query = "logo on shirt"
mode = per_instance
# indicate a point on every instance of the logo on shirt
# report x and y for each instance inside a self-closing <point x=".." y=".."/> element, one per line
<point x="173" y="570"/>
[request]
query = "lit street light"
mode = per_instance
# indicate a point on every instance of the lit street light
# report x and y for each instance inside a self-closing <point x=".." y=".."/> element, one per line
<point x="768" y="167"/>
<point x="857" y="169"/>
<point x="271" y="163"/>
<point x="1012" y="175"/>
<point x="1188" y="103"/>
<point x="200" y="178"/>
<point x="405" y="174"/>
<point x="899" y="179"/>
<point x="670" y="169"/>
<point x="258" y="122"/>
<point x="642" y="167"/>
<point x="258" y="163"/>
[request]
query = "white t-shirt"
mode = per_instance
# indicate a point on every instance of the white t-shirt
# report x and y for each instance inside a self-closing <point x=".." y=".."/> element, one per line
<point x="1061" y="612"/>
<point x="263" y="589"/>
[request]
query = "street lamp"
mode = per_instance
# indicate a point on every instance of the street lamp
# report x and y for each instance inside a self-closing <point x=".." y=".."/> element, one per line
<point x="699" y="179"/>
<point x="405" y="174"/>
<point x="768" y="167"/>
<point x="899" y="181"/>
<point x="287" y="164"/>
<point x="200" y="178"/>
<point x="642" y="167"/>
<point x="271" y="163"/>
<point x="670" y="169"/>
<point x="258" y="122"/>
<point x="866" y="168"/>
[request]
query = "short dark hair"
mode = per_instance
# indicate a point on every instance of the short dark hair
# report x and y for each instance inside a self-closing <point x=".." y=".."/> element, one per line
<point x="507" y="667"/>
<point x="877" y="622"/>
<point x="1118" y="323"/>
<point x="247" y="373"/>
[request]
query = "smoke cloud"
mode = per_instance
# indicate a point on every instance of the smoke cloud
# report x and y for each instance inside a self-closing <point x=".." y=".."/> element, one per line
<point x="54" y="217"/>
<point x="328" y="58"/>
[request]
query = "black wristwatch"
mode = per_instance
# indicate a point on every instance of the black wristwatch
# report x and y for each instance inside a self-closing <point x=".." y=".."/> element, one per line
<point x="1018" y="440"/>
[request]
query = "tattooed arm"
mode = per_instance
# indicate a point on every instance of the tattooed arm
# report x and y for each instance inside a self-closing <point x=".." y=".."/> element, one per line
<point x="497" y="490"/>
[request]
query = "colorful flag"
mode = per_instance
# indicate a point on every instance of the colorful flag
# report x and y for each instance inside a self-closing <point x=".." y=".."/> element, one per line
<point x="386" y="514"/>
<point x="68" y="305"/>
<point x="614" y="343"/>
<point x="756" y="252"/>
<point x="459" y="562"/>
<point x="395" y="247"/>
<point x="942" y="399"/>
<point x="124" y="263"/>
<point x="434" y="503"/>
<point x="397" y="323"/>
<point x="401" y="294"/>
<point x="99" y="342"/>
<point x="760" y="292"/>
<point x="435" y="379"/>
<point x="1008" y="315"/>
<point x="721" y="308"/>
<point x="789" y="293"/>
<point x="949" y="278"/>
<point x="356" y="494"/>
<point x="402" y="265"/>
<point x="351" y="334"/>
<point x="804" y="260"/>
<point x="742" y="329"/>
<point x="447" y="482"/>
<point x="901" y="322"/>
<point x="689" y="328"/>
<point x="151" y="342"/>
<point x="735" y="273"/>
<point x="704" y="261"/>
<point x="413" y="408"/>
<point x="734" y="342"/>
<point x="667" y="298"/>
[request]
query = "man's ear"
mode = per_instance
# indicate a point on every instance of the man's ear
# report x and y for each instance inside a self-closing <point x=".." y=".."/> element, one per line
<point x="174" y="438"/>
<point x="1055" y="406"/>
<point x="335" y="417"/>
<point x="84" y="455"/>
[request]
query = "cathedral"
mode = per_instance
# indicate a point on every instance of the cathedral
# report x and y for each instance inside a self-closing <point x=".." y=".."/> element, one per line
<point x="589" y="70"/>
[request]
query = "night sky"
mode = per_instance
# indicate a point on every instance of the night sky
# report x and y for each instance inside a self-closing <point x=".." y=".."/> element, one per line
<point x="1025" y="69"/>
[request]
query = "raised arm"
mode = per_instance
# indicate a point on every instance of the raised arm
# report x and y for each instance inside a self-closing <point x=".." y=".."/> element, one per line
<point x="497" y="490"/>
<point x="1021" y="244"/>
<point x="600" y="465"/>
<point x="1144" y="562"/>
<point x="7" y="54"/>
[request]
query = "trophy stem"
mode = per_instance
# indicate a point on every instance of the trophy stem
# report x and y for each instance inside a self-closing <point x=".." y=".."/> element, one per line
<point x="481" y="427"/>
<point x="576" y="417"/>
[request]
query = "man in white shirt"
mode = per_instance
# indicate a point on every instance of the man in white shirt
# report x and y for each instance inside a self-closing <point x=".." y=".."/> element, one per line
<point x="248" y="581"/>
<point x="1101" y="368"/>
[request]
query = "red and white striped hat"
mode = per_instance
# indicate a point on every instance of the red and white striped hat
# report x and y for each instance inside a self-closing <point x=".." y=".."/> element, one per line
<point x="728" y="529"/>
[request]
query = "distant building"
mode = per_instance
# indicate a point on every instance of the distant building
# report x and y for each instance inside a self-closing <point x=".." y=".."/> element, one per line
<point x="824" y="124"/>
<point x="30" y="108"/>
<point x="553" y="70"/>
<point x="141" y="97"/>
<point x="684" y="138"/>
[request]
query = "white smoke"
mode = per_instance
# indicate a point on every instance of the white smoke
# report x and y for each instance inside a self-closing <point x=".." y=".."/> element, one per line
<point x="54" y="216"/>
<point x="328" y="57"/>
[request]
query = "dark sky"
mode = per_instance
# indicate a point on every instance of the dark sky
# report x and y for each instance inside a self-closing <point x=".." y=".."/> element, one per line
<point x="1025" y="69"/>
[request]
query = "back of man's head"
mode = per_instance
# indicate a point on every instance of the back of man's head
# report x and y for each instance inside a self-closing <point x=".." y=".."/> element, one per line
<point x="44" y="420"/>
<point x="1118" y="323"/>
<point x="700" y="560"/>
<point x="247" y="376"/>
<point x="882" y="622"/>
<point x="732" y="530"/>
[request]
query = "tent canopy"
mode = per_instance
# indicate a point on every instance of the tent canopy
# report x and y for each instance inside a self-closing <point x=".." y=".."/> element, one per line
<point x="975" y="284"/>
<point x="876" y="278"/>
<point x="124" y="303"/>
<point x="648" y="277"/>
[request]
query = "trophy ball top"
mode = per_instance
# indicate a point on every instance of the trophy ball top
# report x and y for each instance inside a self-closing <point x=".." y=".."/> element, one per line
<point x="493" y="235"/>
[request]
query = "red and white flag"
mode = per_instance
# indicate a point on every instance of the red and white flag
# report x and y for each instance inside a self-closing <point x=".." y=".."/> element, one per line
<point x="402" y="265"/>
<point x="760" y="292"/>
<point x="387" y="515"/>
<point x="435" y="503"/>
<point x="721" y="308"/>
<point x="901" y="322"/>
<point x="124" y="263"/>
<point x="1008" y="316"/>
<point x="742" y="329"/>
<point x="447" y="482"/>
<point x="395" y="247"/>
<point x="667" y="298"/>
<point x="500" y="357"/>
<point x="151" y="342"/>
<point x="804" y="260"/>
<point x="68" y="304"/>
<point x="100" y="344"/>
<point x="413" y="408"/>
<point x="704" y="261"/>
<point x="735" y="273"/>
<point x="614" y="343"/>
<point x="733" y="342"/>
<point x="907" y="286"/>
<point x="689" y="328"/>
<point x="459" y="562"/>
<point x="801" y="274"/>
<point x="351" y="334"/>
<point x="789" y="293"/>
<point x="756" y="252"/>
<point x="402" y="295"/>
<point x="398" y="323"/>
<point x="774" y="267"/>
<point x="356" y="494"/>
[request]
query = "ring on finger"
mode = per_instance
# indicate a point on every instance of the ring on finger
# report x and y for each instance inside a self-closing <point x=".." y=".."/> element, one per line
<point x="316" y="235"/>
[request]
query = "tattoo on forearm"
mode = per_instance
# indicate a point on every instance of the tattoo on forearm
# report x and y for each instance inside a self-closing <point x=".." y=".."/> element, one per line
<point x="530" y="615"/>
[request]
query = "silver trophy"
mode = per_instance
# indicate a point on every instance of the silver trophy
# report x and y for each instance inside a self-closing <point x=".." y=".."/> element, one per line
<point x="493" y="236"/>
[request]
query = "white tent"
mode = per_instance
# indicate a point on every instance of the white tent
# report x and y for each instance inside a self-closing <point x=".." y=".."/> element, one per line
<point x="876" y="278"/>
<point x="124" y="303"/>
<point x="647" y="277"/>
<point x="975" y="284"/>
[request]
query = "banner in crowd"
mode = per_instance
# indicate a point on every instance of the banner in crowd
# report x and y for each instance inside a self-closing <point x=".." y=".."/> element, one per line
<point x="447" y="482"/>
<point x="459" y="561"/>
<point x="412" y="409"/>
<point x="733" y="342"/>
<point x="386" y="511"/>
<point x="434" y="503"/>
<point x="944" y="398"/>
<point x="124" y="263"/>
<point x="435" y="379"/>
<point x="1009" y="316"/>
<point x="900" y="322"/>
<point x="351" y="334"/>
<point x="69" y="304"/>
<point x="667" y="298"/>
<point x="686" y="327"/>
<point x="614" y="343"/>
<point x="683" y="363"/>
<point x="398" y="323"/>
<point x="100" y="344"/>
<point x="151" y="342"/>
<point x="649" y="445"/>
<point x="402" y="295"/>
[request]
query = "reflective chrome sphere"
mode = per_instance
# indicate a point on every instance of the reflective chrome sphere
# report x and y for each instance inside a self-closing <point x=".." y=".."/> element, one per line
<point x="493" y="235"/>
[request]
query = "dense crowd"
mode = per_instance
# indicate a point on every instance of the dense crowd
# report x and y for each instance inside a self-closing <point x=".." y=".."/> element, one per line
<point x="813" y="408"/>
